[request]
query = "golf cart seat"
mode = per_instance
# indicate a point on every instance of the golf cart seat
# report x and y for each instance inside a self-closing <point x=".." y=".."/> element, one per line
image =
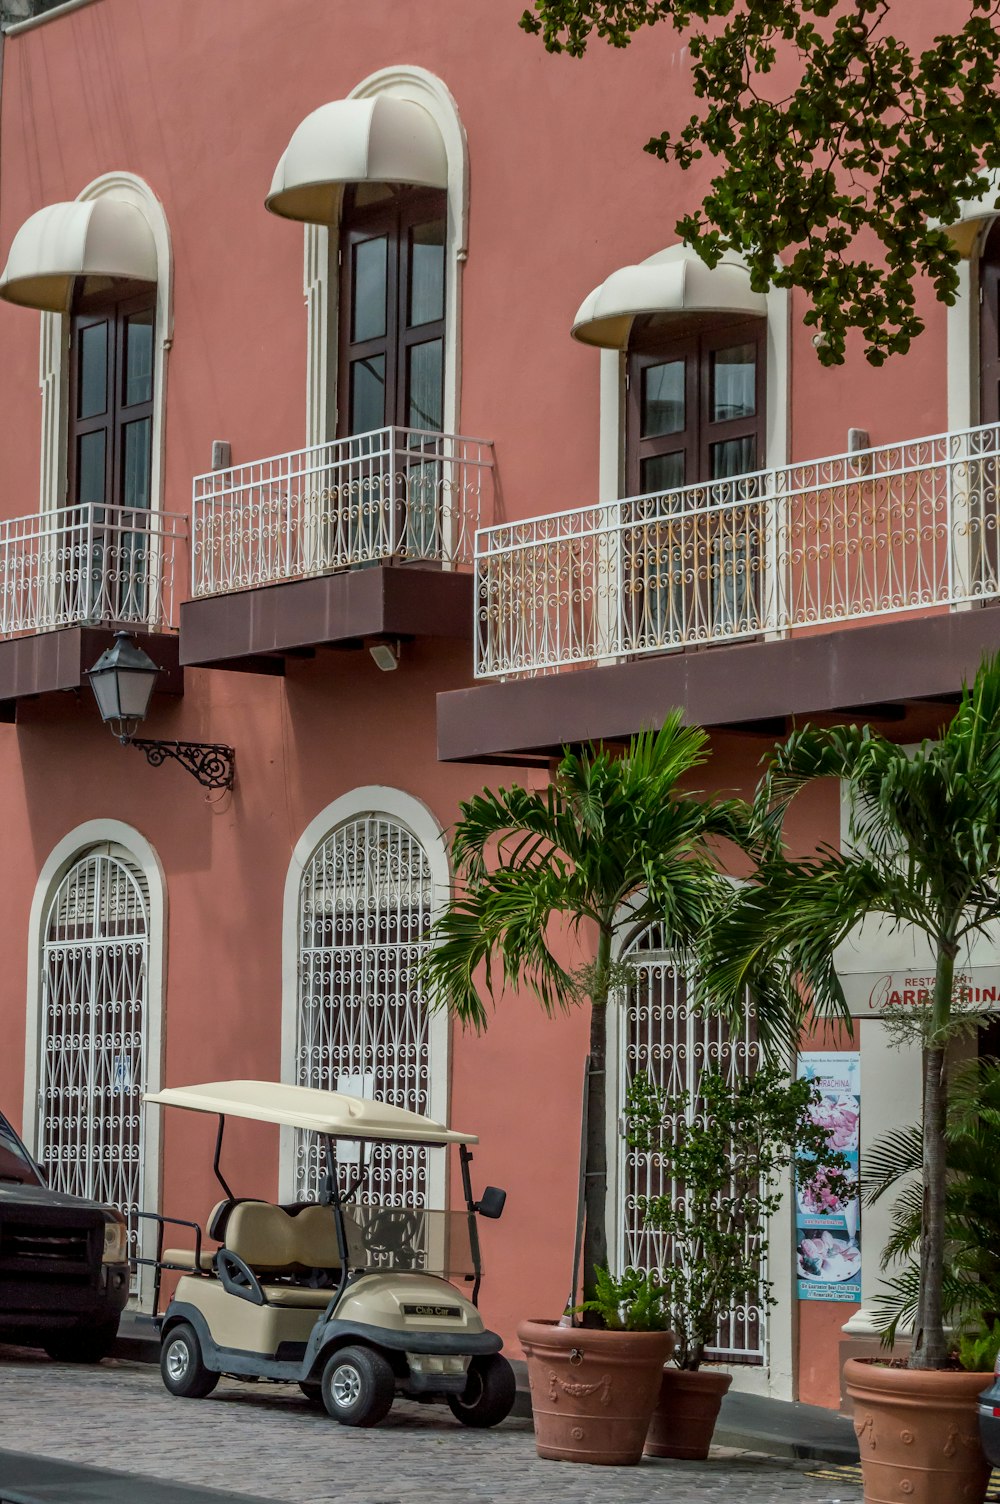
<point x="276" y="1245"/>
<point x="184" y="1258"/>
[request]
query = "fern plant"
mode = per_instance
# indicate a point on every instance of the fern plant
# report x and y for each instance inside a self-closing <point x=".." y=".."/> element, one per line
<point x="977" y="1351"/>
<point x="633" y="1303"/>
<point x="971" y="1280"/>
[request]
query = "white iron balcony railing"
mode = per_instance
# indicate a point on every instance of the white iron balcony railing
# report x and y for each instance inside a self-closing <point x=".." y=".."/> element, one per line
<point x="397" y="493"/>
<point x="902" y="528"/>
<point x="88" y="565"/>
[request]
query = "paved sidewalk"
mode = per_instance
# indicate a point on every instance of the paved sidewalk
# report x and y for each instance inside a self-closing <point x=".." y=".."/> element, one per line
<point x="266" y="1441"/>
<point x="749" y="1422"/>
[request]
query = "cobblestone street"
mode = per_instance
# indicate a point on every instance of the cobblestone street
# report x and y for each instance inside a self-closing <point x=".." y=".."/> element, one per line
<point x="266" y="1440"/>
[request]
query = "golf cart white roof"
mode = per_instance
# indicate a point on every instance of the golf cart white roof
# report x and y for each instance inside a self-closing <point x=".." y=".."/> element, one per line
<point x="329" y="1112"/>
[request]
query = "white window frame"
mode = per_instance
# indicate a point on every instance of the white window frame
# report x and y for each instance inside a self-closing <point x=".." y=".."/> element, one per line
<point x="611" y="452"/>
<point x="376" y="800"/>
<point x="54" y="869"/>
<point x="322" y="244"/>
<point x="54" y="347"/>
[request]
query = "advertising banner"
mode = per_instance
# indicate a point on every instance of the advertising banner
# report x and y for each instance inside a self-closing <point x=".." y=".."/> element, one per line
<point x="827" y="1229"/>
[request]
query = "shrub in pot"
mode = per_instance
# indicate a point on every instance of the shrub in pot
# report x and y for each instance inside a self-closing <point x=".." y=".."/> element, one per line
<point x="922" y="854"/>
<point x="721" y="1158"/>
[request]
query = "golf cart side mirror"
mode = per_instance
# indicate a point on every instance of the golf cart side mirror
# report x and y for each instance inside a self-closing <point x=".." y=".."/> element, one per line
<point x="491" y="1202"/>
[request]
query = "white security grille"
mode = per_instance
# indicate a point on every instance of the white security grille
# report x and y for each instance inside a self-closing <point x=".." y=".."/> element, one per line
<point x="661" y="1035"/>
<point x="93" y="1033"/>
<point x="364" y="919"/>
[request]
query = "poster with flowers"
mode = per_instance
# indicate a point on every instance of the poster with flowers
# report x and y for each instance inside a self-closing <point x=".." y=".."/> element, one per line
<point x="827" y="1226"/>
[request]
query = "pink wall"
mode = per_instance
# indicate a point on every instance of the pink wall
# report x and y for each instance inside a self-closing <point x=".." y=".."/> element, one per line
<point x="200" y="100"/>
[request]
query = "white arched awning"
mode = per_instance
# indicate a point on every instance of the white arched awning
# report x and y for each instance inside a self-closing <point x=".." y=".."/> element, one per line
<point x="676" y="282"/>
<point x="384" y="139"/>
<point x="101" y="237"/>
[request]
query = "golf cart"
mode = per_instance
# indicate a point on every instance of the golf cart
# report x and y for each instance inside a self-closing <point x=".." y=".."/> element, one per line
<point x="350" y="1300"/>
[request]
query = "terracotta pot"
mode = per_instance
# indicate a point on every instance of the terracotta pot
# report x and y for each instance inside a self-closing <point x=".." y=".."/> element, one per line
<point x="592" y="1393"/>
<point x="919" y="1434"/>
<point x="685" y="1413"/>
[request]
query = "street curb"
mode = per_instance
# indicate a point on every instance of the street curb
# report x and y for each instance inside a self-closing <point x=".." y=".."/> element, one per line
<point x="778" y="1446"/>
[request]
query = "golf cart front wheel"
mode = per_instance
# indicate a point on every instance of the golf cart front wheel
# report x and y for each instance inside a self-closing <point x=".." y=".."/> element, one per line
<point x="182" y="1367"/>
<point x="488" y="1397"/>
<point x="358" y="1386"/>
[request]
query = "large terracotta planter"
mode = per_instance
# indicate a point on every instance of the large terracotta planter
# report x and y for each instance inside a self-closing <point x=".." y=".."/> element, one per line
<point x="918" y="1433"/>
<point x="685" y="1414"/>
<point x="592" y="1392"/>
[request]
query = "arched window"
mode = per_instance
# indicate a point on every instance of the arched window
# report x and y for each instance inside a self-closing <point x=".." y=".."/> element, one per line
<point x="659" y="1034"/>
<point x="429" y="227"/>
<point x="365" y="899"/>
<point x="94" y="1027"/>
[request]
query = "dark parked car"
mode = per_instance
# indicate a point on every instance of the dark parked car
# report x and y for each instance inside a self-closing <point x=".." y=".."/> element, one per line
<point x="989" y="1419"/>
<point x="64" y="1274"/>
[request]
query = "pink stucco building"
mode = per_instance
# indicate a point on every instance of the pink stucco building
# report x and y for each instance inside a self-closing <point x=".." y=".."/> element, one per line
<point x="360" y="473"/>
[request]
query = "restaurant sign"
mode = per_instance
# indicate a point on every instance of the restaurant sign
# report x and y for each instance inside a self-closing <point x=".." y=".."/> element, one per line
<point x="876" y="994"/>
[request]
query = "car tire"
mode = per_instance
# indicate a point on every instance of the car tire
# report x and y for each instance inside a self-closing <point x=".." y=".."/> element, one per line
<point x="87" y="1344"/>
<point x="312" y="1390"/>
<point x="358" y="1386"/>
<point x="488" y="1397"/>
<point x="182" y="1367"/>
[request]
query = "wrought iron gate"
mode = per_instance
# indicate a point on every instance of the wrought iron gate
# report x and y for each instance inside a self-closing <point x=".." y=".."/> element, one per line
<point x="660" y="1034"/>
<point x="93" y="1032"/>
<point x="364" y="919"/>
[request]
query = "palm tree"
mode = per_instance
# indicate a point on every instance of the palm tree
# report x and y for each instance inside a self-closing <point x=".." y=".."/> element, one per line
<point x="925" y="852"/>
<point x="611" y="846"/>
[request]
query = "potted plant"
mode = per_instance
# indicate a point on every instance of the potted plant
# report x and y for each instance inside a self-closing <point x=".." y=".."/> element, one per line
<point x="612" y="845"/>
<point x="924" y="853"/>
<point x="721" y="1160"/>
<point x="599" y="1414"/>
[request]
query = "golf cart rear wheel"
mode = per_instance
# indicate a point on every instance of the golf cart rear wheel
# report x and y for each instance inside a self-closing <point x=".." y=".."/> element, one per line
<point x="488" y="1397"/>
<point x="358" y="1386"/>
<point x="181" y="1365"/>
<point x="312" y="1391"/>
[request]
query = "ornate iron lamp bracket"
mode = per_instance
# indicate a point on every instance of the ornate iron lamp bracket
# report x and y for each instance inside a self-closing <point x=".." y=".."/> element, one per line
<point x="212" y="763"/>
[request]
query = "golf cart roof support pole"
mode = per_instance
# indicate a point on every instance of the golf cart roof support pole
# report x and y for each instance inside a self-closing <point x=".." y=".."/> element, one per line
<point x="215" y="1162"/>
<point x="338" y="1222"/>
<point x="477" y="1263"/>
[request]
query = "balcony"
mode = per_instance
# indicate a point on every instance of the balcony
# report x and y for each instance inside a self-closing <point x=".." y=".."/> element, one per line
<point x="898" y="543"/>
<point x="369" y="537"/>
<point x="67" y="577"/>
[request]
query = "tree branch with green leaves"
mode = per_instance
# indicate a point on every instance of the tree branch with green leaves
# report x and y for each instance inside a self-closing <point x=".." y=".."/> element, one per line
<point x="839" y="149"/>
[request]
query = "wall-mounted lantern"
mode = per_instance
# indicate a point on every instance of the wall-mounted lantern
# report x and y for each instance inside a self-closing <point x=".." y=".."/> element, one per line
<point x="123" y="679"/>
